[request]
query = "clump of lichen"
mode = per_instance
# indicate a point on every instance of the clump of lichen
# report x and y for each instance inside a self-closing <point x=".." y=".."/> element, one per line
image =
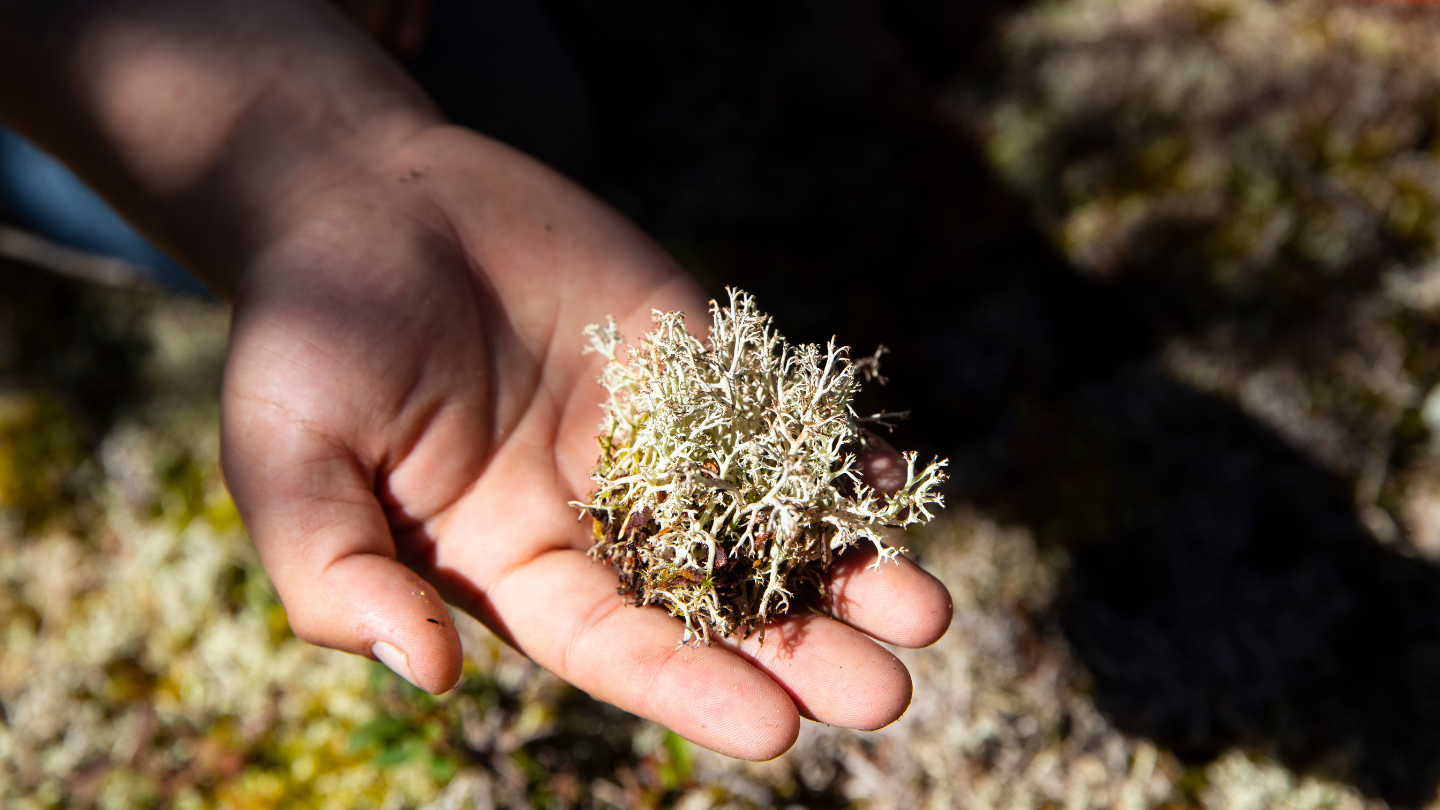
<point x="727" y="476"/>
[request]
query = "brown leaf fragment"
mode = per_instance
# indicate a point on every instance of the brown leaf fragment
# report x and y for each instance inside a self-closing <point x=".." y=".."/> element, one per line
<point x="637" y="521"/>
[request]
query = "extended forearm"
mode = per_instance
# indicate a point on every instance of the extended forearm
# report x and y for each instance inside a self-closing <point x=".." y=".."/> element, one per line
<point x="204" y="122"/>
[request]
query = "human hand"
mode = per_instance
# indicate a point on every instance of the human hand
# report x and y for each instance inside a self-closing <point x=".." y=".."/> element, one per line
<point x="407" y="414"/>
<point x="405" y="402"/>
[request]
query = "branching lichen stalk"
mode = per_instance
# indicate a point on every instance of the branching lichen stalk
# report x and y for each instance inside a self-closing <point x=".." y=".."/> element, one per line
<point x="727" y="476"/>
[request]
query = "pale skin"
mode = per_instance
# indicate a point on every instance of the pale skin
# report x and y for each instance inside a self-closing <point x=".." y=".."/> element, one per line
<point x="406" y="412"/>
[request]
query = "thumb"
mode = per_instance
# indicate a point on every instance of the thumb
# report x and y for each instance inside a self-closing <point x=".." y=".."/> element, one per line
<point x="324" y="539"/>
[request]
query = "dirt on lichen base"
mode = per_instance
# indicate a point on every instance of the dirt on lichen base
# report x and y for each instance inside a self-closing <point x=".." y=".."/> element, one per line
<point x="727" y="477"/>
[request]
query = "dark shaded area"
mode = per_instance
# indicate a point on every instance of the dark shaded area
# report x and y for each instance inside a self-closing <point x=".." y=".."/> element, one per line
<point x="1223" y="591"/>
<point x="70" y="341"/>
<point x="70" y="362"/>
<point x="498" y="66"/>
<point x="791" y="149"/>
<point x="591" y="741"/>
<point x="1227" y="595"/>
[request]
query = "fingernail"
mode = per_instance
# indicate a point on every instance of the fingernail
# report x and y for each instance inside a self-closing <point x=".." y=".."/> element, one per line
<point x="392" y="657"/>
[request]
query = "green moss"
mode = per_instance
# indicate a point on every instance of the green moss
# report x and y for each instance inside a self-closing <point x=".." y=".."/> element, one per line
<point x="40" y="453"/>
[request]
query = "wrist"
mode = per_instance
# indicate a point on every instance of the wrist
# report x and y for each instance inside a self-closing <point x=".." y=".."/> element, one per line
<point x="263" y="188"/>
<point x="206" y="124"/>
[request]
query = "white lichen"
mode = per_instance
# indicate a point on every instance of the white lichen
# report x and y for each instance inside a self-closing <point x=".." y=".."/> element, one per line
<point x="727" y="476"/>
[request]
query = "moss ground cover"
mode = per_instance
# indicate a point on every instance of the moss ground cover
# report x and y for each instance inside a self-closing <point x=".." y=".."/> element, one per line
<point x="146" y="662"/>
<point x="1192" y="549"/>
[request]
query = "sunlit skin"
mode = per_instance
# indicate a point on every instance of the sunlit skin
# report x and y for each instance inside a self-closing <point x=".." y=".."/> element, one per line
<point x="406" y="411"/>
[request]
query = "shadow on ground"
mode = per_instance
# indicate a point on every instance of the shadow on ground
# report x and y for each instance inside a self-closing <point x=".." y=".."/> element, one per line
<point x="1223" y="591"/>
<point x="69" y="341"/>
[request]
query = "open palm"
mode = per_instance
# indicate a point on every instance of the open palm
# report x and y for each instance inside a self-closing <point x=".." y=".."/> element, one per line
<point x="407" y="415"/>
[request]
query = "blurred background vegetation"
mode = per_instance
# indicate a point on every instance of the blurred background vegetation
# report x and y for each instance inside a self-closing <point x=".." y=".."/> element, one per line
<point x="1159" y="276"/>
